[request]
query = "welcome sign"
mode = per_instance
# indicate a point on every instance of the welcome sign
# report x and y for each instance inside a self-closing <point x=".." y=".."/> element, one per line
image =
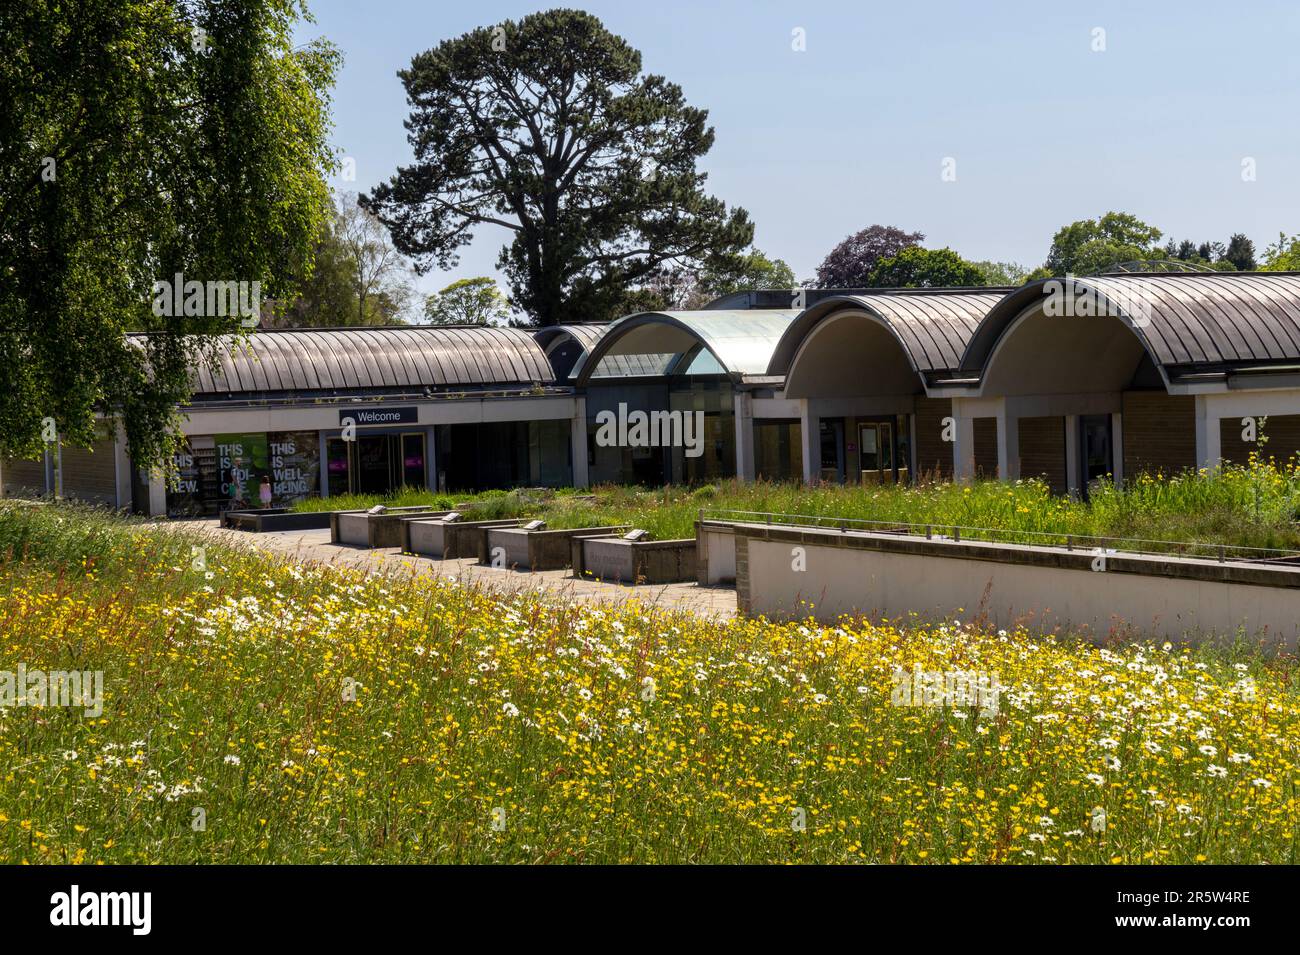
<point x="365" y="416"/>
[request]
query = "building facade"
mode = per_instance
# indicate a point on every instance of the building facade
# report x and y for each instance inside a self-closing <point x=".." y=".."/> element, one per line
<point x="1069" y="380"/>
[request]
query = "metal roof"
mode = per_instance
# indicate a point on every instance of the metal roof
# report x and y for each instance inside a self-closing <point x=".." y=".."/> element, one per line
<point x="560" y="341"/>
<point x="1187" y="322"/>
<point x="933" y="326"/>
<point x="387" y="357"/>
<point x="741" y="342"/>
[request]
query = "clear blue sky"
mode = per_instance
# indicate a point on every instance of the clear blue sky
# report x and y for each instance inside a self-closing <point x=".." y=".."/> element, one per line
<point x="853" y="131"/>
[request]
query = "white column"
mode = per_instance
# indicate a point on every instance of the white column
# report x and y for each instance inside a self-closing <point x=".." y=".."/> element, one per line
<point x="963" y="445"/>
<point x="743" y="406"/>
<point x="1208" y="450"/>
<point x="809" y="428"/>
<point x="578" y="438"/>
<point x="323" y="471"/>
<point x="431" y="458"/>
<point x="157" y="493"/>
<point x="121" y="467"/>
<point x="1117" y="447"/>
<point x="1072" y="453"/>
<point x="1008" y="446"/>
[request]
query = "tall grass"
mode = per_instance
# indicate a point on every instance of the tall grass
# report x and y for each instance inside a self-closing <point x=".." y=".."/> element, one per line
<point x="1237" y="506"/>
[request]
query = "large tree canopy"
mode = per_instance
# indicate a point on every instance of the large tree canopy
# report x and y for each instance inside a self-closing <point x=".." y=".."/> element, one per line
<point x="140" y="139"/>
<point x="546" y="127"/>
<point x="1092" y="245"/>
<point x="851" y="263"/>
<point x="915" y="267"/>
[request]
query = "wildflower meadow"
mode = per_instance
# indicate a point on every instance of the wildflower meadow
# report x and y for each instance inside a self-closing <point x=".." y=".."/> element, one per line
<point x="257" y="710"/>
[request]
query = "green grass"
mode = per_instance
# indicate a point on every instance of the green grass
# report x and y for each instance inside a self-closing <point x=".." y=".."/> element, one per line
<point x="1235" y="506"/>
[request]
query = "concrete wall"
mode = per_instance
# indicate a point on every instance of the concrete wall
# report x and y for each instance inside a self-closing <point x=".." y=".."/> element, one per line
<point x="715" y="555"/>
<point x="881" y="575"/>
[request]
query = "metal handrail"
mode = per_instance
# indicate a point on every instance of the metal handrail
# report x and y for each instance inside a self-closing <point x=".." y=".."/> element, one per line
<point x="959" y="532"/>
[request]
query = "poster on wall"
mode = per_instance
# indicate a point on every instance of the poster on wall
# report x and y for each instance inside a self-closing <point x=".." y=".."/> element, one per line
<point x="192" y="490"/>
<point x="294" y="464"/>
<point x="241" y="465"/>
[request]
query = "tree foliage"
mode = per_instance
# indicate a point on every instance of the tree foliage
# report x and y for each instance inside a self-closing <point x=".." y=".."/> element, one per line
<point x="851" y="263"/>
<point x="1093" y="245"/>
<point x="474" y="301"/>
<point x="546" y="127"/>
<point x="1241" y="253"/>
<point x="916" y="267"/>
<point x="139" y="140"/>
<point x="1282" y="255"/>
<point x="1002" y="273"/>
<point x="687" y="288"/>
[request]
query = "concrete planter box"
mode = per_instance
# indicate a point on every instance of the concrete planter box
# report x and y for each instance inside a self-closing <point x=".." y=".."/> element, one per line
<point x="535" y="550"/>
<point x="634" y="562"/>
<point x="447" y="541"/>
<point x="271" y="519"/>
<point x="715" y="556"/>
<point x="363" y="529"/>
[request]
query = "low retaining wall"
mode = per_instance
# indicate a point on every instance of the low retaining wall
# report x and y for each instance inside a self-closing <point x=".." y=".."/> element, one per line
<point x="446" y="541"/>
<point x="781" y="571"/>
<point x="715" y="555"/>
<point x="633" y="562"/>
<point x="269" y="520"/>
<point x="363" y="529"/>
<point x="535" y="550"/>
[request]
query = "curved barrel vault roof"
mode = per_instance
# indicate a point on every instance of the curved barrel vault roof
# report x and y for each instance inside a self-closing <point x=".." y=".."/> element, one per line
<point x="389" y="357"/>
<point x="583" y="337"/>
<point x="933" y="326"/>
<point x="1188" y="323"/>
<point x="740" y="341"/>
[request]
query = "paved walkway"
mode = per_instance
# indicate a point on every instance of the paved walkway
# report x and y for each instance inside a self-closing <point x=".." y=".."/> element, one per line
<point x="314" y="546"/>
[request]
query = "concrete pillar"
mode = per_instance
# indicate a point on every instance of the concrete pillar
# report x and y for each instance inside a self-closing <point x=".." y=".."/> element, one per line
<point x="810" y="436"/>
<point x="157" y="493"/>
<point x="963" y="445"/>
<point x="1072" y="467"/>
<point x="911" y="447"/>
<point x="578" y="438"/>
<point x="323" y="477"/>
<point x="431" y="458"/>
<point x="121" y="468"/>
<point x="1117" y="447"/>
<point x="744" y="415"/>
<point x="1008" y="446"/>
<point x="1208" y="450"/>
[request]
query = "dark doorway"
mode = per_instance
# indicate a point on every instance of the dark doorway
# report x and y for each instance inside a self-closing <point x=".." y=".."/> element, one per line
<point x="832" y="450"/>
<point x="1095" y="459"/>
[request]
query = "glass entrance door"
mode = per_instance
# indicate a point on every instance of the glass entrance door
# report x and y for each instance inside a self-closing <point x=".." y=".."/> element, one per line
<point x="413" y="471"/>
<point x="880" y="457"/>
<point x="376" y="463"/>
